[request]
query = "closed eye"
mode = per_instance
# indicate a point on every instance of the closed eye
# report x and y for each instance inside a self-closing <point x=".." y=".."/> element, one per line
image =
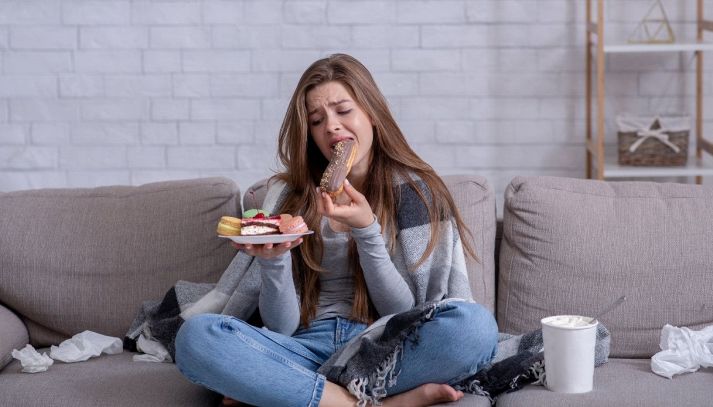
<point x="345" y="112"/>
<point x="316" y="122"/>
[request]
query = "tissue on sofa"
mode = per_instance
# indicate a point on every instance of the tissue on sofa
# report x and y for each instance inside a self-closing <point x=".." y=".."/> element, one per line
<point x="85" y="345"/>
<point x="31" y="360"/>
<point x="683" y="350"/>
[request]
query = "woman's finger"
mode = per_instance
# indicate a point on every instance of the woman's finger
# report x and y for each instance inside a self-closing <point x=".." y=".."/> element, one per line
<point x="327" y="204"/>
<point x="320" y="205"/>
<point x="355" y="195"/>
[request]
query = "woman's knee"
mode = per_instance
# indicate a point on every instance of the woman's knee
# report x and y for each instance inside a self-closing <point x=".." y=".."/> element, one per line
<point x="473" y="327"/>
<point x="194" y="338"/>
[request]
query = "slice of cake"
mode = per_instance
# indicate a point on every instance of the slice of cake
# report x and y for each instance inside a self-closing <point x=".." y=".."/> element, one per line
<point x="260" y="225"/>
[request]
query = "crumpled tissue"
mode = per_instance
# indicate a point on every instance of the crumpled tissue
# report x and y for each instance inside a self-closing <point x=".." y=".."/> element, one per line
<point x="31" y="360"/>
<point x="153" y="351"/>
<point x="85" y="345"/>
<point x="683" y="350"/>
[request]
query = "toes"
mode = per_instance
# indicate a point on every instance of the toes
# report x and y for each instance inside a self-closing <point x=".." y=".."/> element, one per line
<point x="443" y="392"/>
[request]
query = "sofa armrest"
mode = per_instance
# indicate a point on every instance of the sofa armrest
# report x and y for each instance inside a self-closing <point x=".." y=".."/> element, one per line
<point x="13" y="335"/>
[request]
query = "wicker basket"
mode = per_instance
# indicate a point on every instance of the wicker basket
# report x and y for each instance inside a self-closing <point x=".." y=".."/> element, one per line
<point x="659" y="141"/>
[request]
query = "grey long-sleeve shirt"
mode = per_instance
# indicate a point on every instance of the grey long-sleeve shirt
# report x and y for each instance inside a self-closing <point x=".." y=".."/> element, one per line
<point x="389" y="292"/>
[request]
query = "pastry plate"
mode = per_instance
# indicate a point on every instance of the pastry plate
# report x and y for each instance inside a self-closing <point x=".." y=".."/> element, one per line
<point x="262" y="239"/>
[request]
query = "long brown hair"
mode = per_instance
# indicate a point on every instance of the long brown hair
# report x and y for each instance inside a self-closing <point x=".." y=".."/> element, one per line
<point x="391" y="158"/>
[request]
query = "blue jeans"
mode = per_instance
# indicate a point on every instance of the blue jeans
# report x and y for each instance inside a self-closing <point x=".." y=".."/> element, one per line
<point x="264" y="368"/>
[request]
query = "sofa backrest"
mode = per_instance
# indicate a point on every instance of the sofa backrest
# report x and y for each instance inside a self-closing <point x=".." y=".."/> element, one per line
<point x="77" y="259"/>
<point x="476" y="201"/>
<point x="574" y="246"/>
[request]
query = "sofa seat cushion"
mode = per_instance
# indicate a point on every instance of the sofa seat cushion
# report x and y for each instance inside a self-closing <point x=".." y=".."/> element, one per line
<point x="573" y="246"/>
<point x="623" y="382"/>
<point x="105" y="381"/>
<point x="468" y="400"/>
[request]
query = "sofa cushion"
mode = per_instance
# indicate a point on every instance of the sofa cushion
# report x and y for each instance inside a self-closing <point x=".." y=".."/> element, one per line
<point x="468" y="400"/>
<point x="104" y="381"/>
<point x="623" y="382"/>
<point x="476" y="201"/>
<point x="85" y="259"/>
<point x="13" y="335"/>
<point x="574" y="246"/>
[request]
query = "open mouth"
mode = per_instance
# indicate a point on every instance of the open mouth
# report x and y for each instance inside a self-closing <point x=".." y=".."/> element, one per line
<point x="333" y="145"/>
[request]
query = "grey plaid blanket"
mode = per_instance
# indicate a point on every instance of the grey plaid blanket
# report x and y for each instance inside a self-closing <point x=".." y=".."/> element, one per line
<point x="368" y="364"/>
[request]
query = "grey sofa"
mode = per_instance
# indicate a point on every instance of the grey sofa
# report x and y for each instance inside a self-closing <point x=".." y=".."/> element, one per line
<point x="76" y="259"/>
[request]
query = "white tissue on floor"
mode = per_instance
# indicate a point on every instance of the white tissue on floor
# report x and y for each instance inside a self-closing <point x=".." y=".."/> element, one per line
<point x="683" y="350"/>
<point x="153" y="351"/>
<point x="31" y="360"/>
<point x="85" y="345"/>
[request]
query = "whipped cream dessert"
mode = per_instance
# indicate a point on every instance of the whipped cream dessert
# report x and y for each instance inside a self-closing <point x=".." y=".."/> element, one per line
<point x="568" y="321"/>
<point x="260" y="225"/>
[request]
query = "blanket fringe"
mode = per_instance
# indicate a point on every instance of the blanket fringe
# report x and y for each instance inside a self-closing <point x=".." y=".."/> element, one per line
<point x="474" y="387"/>
<point x="373" y="389"/>
<point x="357" y="387"/>
<point x="384" y="374"/>
<point x="537" y="370"/>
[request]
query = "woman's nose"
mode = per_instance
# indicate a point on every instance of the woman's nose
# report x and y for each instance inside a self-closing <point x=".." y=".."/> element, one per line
<point x="333" y="124"/>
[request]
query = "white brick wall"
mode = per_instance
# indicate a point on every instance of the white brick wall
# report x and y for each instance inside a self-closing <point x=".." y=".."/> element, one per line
<point x="128" y="92"/>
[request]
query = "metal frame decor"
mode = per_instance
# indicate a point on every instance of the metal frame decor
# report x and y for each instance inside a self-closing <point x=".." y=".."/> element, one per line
<point x="654" y="28"/>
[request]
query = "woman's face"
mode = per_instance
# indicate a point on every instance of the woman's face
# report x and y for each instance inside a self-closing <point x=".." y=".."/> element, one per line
<point x="333" y="116"/>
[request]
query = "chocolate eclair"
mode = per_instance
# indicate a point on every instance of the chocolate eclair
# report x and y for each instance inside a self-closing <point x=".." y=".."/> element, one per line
<point x="332" y="181"/>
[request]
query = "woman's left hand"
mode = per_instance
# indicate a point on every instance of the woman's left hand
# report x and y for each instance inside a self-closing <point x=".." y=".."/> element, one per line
<point x="357" y="213"/>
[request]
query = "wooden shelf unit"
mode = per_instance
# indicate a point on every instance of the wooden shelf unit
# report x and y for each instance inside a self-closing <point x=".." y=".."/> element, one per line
<point x="598" y="164"/>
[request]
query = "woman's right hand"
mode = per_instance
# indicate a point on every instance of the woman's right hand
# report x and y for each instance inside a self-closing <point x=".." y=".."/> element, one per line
<point x="354" y="211"/>
<point x="267" y="250"/>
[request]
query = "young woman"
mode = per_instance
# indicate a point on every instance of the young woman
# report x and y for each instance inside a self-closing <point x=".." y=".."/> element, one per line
<point x="389" y="242"/>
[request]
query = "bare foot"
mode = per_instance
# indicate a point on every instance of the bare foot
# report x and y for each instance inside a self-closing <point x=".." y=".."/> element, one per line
<point x="424" y="395"/>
